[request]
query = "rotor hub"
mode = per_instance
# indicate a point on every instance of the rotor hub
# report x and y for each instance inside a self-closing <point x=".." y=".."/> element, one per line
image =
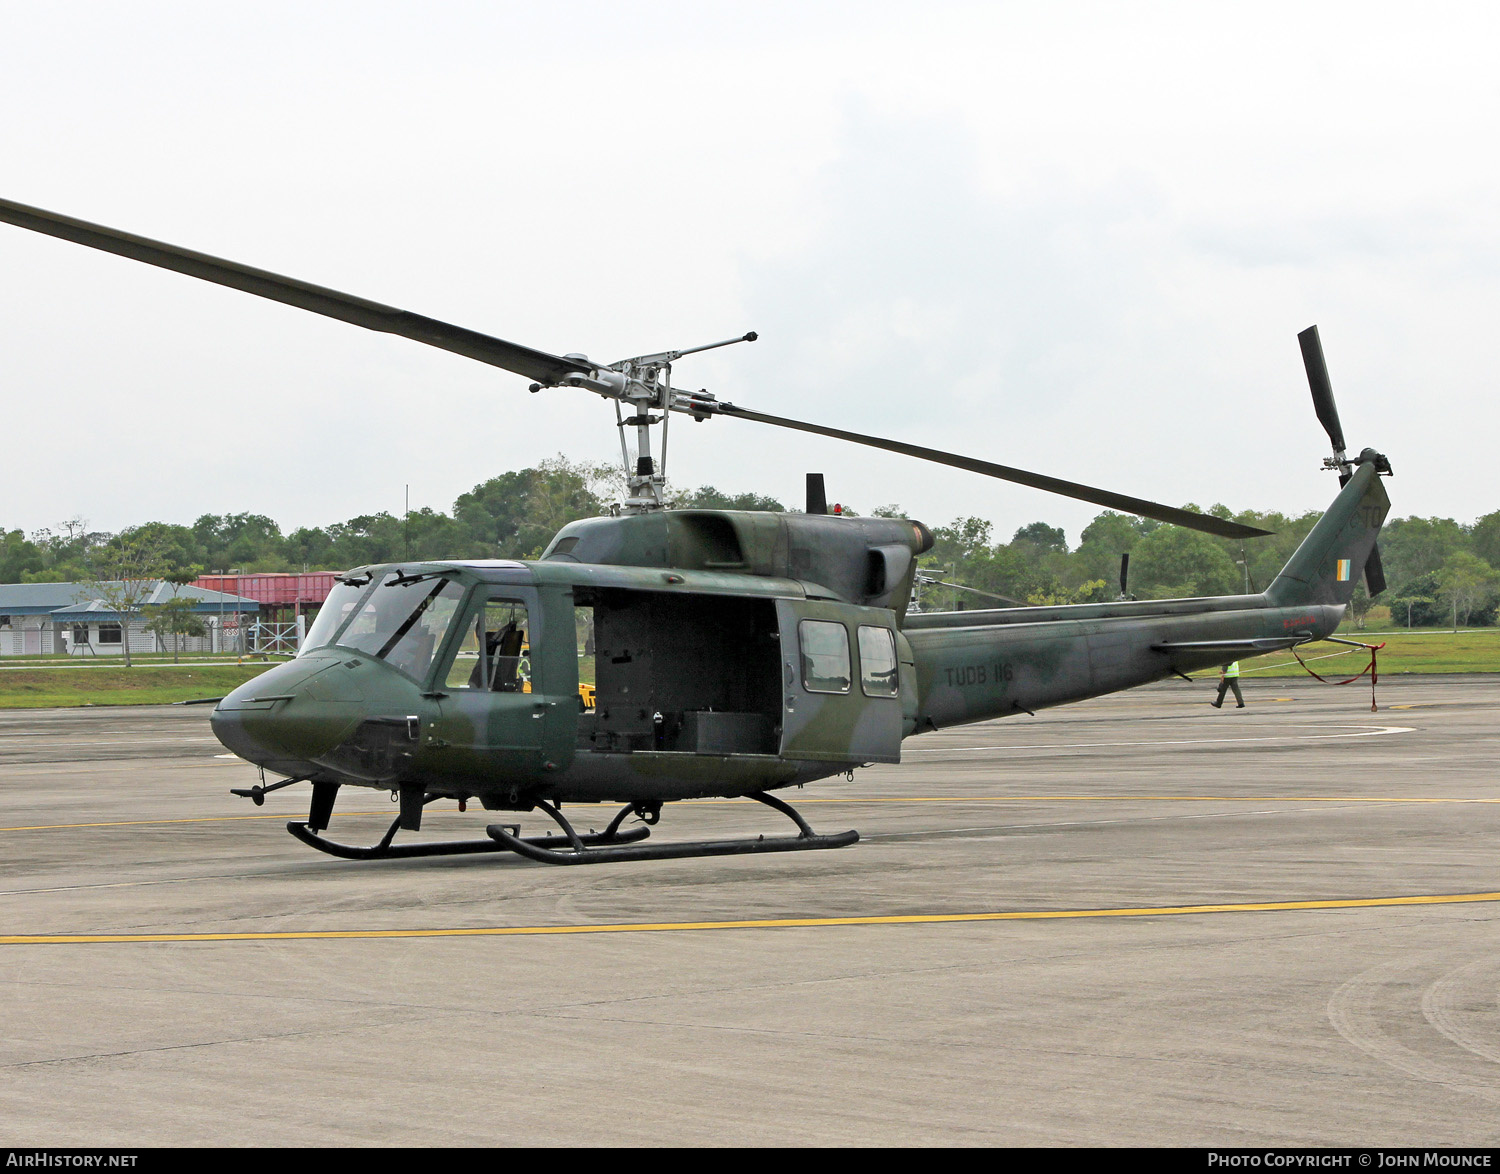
<point x="645" y="384"/>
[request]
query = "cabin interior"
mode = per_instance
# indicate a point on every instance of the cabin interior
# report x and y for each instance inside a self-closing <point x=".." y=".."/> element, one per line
<point x="695" y="674"/>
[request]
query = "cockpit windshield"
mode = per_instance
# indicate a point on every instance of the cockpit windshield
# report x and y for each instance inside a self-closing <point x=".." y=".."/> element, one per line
<point x="402" y="620"/>
<point x="336" y="609"/>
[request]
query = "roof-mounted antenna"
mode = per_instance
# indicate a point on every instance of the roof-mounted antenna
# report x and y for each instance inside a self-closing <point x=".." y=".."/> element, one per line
<point x="817" y="499"/>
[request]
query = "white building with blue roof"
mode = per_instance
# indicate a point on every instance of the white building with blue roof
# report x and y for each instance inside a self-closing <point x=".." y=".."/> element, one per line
<point x="44" y="619"/>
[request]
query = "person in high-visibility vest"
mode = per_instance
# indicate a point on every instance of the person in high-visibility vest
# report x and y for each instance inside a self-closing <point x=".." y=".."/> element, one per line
<point x="1229" y="678"/>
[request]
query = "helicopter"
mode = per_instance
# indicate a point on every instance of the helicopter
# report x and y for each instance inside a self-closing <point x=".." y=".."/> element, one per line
<point x="657" y="655"/>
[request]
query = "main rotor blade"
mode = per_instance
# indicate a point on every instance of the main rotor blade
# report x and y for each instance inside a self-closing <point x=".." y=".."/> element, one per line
<point x="1322" y="389"/>
<point x="1115" y="501"/>
<point x="509" y="356"/>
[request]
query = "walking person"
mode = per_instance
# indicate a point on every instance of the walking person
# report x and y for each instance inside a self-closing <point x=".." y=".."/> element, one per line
<point x="1229" y="678"/>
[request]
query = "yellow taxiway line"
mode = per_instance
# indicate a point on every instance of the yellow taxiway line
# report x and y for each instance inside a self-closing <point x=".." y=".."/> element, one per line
<point x="766" y="923"/>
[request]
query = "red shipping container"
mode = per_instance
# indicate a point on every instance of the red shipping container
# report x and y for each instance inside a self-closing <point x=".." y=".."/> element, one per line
<point x="273" y="589"/>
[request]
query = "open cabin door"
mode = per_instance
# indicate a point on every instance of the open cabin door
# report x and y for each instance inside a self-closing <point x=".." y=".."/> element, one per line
<point x="841" y="697"/>
<point x="677" y="672"/>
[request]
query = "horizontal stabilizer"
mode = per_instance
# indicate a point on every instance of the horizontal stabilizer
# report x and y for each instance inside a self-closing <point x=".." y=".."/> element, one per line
<point x="1243" y="647"/>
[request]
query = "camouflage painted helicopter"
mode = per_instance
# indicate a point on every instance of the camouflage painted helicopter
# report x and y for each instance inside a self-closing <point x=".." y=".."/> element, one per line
<point x="730" y="653"/>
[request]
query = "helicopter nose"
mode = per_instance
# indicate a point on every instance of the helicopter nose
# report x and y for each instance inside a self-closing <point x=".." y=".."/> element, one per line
<point x="242" y="731"/>
<point x="281" y="720"/>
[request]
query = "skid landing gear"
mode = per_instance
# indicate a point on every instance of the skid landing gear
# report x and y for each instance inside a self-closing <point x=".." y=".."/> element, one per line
<point x="582" y="849"/>
<point x="612" y="844"/>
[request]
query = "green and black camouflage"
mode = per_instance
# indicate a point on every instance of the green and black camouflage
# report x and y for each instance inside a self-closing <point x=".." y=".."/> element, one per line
<point x="713" y="640"/>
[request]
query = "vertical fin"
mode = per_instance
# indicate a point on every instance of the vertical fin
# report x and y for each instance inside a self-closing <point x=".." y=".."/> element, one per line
<point x="1328" y="564"/>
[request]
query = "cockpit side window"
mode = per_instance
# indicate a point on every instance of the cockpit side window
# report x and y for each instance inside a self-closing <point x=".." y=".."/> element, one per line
<point x="467" y="669"/>
<point x="507" y="635"/>
<point x="495" y="654"/>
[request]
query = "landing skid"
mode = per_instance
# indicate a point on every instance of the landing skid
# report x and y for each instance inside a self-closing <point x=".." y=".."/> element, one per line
<point x="581" y="849"/>
<point x="611" y="845"/>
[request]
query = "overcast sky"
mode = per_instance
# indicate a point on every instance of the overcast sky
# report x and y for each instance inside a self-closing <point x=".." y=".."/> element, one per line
<point x="1077" y="238"/>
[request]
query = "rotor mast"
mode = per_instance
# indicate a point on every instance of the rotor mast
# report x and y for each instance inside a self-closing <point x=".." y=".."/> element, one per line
<point x="644" y="385"/>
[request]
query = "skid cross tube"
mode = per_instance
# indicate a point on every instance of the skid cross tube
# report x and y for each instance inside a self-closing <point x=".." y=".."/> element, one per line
<point x="583" y="853"/>
<point x="386" y="850"/>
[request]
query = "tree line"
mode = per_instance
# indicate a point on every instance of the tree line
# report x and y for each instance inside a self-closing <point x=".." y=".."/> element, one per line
<point x="1438" y="570"/>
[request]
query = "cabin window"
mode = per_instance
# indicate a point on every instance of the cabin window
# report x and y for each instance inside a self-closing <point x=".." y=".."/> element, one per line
<point x="877" y="661"/>
<point x="502" y="630"/>
<point x="825" y="656"/>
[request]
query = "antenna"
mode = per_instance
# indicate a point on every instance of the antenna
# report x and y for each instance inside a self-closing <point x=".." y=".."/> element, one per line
<point x="817" y="497"/>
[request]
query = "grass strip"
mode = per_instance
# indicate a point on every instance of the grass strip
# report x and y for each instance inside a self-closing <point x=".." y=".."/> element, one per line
<point x="1473" y="650"/>
<point x="140" y="685"/>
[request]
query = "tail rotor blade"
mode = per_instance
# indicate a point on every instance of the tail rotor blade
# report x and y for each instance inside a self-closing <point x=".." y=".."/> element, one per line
<point x="1322" y="388"/>
<point x="1374" y="573"/>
